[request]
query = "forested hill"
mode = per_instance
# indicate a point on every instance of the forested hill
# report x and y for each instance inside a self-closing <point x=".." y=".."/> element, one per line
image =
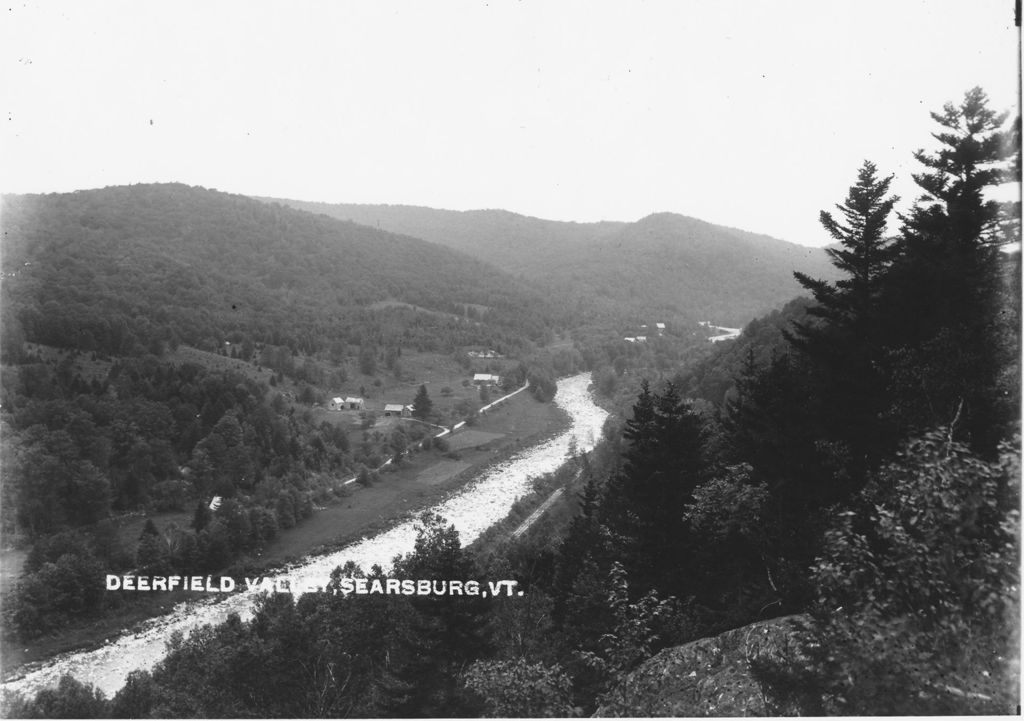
<point x="707" y="271"/>
<point x="670" y="264"/>
<point x="118" y="306"/>
<point x="123" y="267"/>
<point x="516" y="243"/>
<point x="714" y="377"/>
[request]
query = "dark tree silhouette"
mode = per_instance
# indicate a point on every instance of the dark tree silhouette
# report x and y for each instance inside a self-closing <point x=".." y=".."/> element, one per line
<point x="422" y="406"/>
<point x="951" y="323"/>
<point x="843" y="336"/>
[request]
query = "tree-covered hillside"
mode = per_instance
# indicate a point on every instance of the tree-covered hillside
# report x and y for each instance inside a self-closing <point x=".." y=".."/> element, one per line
<point x="104" y="417"/>
<point x="679" y="268"/>
<point x="713" y="377"/>
<point x="129" y="268"/>
<point x="514" y="242"/>
<point x="698" y="270"/>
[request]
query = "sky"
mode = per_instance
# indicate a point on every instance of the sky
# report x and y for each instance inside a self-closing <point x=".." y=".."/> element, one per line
<point x="752" y="114"/>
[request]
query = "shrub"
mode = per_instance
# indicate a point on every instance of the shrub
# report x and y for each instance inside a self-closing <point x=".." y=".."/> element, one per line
<point x="917" y="590"/>
<point x="70" y="699"/>
<point x="364" y="478"/>
<point x="518" y="689"/>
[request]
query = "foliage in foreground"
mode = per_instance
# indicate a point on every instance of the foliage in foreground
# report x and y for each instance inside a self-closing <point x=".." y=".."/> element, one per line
<point x="918" y="594"/>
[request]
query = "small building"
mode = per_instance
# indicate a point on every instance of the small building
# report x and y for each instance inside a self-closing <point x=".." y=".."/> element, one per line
<point x="396" y="410"/>
<point x="641" y="339"/>
<point x="486" y="379"/>
<point x="660" y="327"/>
<point x="629" y="339"/>
<point x="353" y="403"/>
<point x="336" y="404"/>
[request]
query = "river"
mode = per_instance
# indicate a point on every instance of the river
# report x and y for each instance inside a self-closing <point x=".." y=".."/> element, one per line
<point x="481" y="503"/>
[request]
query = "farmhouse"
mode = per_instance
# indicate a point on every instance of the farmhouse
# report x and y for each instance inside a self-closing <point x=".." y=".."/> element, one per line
<point x="397" y="410"/>
<point x="353" y="403"/>
<point x="486" y="379"/>
<point x="336" y="404"/>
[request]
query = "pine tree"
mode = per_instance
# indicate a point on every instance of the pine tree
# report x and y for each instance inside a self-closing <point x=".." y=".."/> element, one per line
<point x="646" y="502"/>
<point x="449" y="629"/>
<point x="639" y="433"/>
<point x="773" y="424"/>
<point x="864" y="256"/>
<point x="944" y="295"/>
<point x="422" y="406"/>
<point x="585" y="541"/>
<point x="844" y="344"/>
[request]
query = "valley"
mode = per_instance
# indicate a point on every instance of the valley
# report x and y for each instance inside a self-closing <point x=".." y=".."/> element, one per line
<point x="510" y="360"/>
<point x="419" y="480"/>
<point x="485" y="501"/>
<point x="193" y="346"/>
<point x="196" y="383"/>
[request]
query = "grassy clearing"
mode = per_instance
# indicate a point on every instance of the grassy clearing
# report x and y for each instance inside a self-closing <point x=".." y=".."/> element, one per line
<point x="420" y="482"/>
<point x="519" y="417"/>
<point x="384" y="304"/>
<point x="441" y="472"/>
<point x="446" y="380"/>
<point x="472" y="438"/>
<point x="424" y="479"/>
<point x="217" y="362"/>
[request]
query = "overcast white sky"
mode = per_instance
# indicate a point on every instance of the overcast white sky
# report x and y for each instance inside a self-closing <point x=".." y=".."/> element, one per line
<point x="750" y="114"/>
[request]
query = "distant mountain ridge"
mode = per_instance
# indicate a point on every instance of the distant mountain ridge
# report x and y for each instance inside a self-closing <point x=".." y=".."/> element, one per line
<point x="127" y="265"/>
<point x="507" y="239"/>
<point x="665" y="264"/>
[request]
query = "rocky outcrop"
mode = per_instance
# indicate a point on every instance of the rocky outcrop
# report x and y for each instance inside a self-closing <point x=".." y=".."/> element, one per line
<point x="709" y="677"/>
